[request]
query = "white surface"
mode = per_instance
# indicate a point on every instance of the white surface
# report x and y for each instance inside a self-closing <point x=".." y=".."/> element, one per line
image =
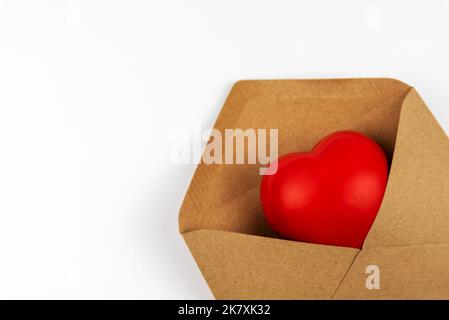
<point x="91" y="90"/>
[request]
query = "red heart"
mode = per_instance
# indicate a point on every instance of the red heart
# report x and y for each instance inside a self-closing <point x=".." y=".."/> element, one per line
<point x="330" y="195"/>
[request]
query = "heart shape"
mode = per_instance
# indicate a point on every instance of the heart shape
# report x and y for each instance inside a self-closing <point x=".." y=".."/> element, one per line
<point x="330" y="195"/>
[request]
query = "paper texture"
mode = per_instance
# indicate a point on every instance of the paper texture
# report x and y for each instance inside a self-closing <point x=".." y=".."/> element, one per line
<point x="222" y="222"/>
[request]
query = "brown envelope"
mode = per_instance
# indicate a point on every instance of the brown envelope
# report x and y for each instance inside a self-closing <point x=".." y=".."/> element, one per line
<point x="222" y="221"/>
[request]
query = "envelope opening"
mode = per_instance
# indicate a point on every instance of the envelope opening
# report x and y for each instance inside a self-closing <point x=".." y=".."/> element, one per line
<point x="226" y="197"/>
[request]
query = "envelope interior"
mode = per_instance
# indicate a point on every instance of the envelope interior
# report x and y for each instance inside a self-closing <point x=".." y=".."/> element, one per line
<point x="226" y="197"/>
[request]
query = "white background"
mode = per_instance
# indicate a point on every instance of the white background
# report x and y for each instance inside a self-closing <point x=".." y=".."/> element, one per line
<point x="90" y="92"/>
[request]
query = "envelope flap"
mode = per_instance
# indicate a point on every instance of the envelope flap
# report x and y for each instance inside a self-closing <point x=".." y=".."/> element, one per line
<point x="239" y="266"/>
<point x="401" y="272"/>
<point x="415" y="209"/>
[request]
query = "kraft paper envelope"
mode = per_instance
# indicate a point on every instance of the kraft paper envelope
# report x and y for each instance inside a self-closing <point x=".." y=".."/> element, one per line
<point x="221" y="218"/>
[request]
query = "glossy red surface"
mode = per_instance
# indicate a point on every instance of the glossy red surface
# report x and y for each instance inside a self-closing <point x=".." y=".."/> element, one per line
<point x="330" y="195"/>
